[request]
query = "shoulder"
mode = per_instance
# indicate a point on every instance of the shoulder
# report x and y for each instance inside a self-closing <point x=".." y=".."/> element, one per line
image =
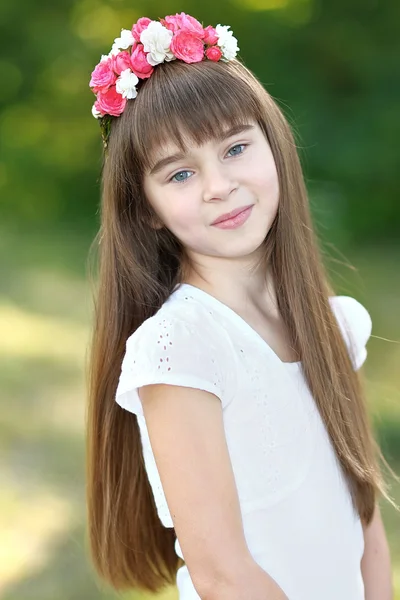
<point x="355" y="324"/>
<point x="177" y="346"/>
<point x="177" y="322"/>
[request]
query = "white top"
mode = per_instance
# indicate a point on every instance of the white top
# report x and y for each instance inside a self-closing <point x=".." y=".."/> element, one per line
<point x="299" y="523"/>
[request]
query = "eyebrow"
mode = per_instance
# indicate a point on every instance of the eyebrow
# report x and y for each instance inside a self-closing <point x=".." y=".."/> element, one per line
<point x="163" y="162"/>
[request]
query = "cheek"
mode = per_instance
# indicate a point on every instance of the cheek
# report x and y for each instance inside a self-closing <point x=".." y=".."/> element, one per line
<point x="266" y="181"/>
<point x="175" y="211"/>
<point x="185" y="223"/>
<point x="180" y="214"/>
<point x="183" y="214"/>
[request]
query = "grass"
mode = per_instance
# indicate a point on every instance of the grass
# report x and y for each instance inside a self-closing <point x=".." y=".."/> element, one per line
<point x="45" y="308"/>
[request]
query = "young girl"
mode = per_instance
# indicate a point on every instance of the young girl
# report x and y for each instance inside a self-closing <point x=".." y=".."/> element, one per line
<point x="229" y="448"/>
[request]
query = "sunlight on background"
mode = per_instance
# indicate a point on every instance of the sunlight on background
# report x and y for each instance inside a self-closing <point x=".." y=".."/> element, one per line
<point x="29" y="526"/>
<point x="97" y="22"/>
<point x="292" y="11"/>
<point x="33" y="514"/>
<point x="30" y="335"/>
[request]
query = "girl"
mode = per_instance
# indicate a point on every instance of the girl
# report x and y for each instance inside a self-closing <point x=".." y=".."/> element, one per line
<point x="229" y="448"/>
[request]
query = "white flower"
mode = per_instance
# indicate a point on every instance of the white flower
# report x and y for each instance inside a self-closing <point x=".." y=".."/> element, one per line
<point x="227" y="42"/>
<point x="126" y="40"/>
<point x="95" y="112"/>
<point x="126" y="84"/>
<point x="156" y="40"/>
<point x="114" y="50"/>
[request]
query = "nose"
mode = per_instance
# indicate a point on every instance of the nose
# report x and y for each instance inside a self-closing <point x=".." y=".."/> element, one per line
<point x="218" y="182"/>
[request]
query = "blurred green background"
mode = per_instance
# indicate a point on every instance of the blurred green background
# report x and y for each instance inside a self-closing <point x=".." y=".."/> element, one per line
<point x="333" y="68"/>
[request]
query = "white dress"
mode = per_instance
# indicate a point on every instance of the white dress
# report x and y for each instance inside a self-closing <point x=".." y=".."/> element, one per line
<point x="298" y="519"/>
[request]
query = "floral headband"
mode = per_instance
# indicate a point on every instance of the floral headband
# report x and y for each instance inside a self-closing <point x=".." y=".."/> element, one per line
<point x="134" y="55"/>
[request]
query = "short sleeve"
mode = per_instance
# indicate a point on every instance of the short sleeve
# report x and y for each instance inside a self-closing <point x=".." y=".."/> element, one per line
<point x="172" y="351"/>
<point x="355" y="324"/>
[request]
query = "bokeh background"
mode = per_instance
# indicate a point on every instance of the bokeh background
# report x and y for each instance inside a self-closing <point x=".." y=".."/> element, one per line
<point x="333" y="68"/>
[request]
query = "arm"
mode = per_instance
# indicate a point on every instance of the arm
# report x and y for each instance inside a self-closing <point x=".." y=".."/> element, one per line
<point x="187" y="436"/>
<point x="375" y="563"/>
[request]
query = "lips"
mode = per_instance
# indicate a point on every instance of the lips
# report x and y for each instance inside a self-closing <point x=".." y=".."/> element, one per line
<point x="231" y="214"/>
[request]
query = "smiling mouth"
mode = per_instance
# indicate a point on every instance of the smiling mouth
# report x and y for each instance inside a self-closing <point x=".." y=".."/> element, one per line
<point x="231" y="215"/>
<point x="233" y="222"/>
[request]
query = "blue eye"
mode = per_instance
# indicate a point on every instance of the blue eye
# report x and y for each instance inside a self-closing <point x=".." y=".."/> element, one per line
<point x="237" y="146"/>
<point x="179" y="180"/>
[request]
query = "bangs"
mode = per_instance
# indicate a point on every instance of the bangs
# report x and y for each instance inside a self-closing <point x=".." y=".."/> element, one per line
<point x="187" y="103"/>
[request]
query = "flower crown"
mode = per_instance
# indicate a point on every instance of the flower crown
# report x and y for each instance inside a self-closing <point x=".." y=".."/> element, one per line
<point x="136" y="52"/>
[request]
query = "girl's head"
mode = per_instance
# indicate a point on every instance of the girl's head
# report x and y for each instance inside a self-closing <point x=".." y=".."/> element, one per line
<point x="199" y="141"/>
<point x="236" y="149"/>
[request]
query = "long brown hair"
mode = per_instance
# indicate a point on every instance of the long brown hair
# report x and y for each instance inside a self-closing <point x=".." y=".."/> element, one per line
<point x="138" y="267"/>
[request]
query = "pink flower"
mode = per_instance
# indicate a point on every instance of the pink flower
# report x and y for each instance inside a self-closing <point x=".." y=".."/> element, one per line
<point x="214" y="53"/>
<point x="110" y="102"/>
<point x="211" y="35"/>
<point x="171" y="22"/>
<point x="103" y="76"/>
<point x="187" y="47"/>
<point x="186" y="22"/>
<point x="121" y="61"/>
<point x="139" y="63"/>
<point x="140" y="26"/>
<point x="97" y="108"/>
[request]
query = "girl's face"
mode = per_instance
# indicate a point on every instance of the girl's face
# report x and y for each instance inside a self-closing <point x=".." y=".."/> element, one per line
<point x="189" y="192"/>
